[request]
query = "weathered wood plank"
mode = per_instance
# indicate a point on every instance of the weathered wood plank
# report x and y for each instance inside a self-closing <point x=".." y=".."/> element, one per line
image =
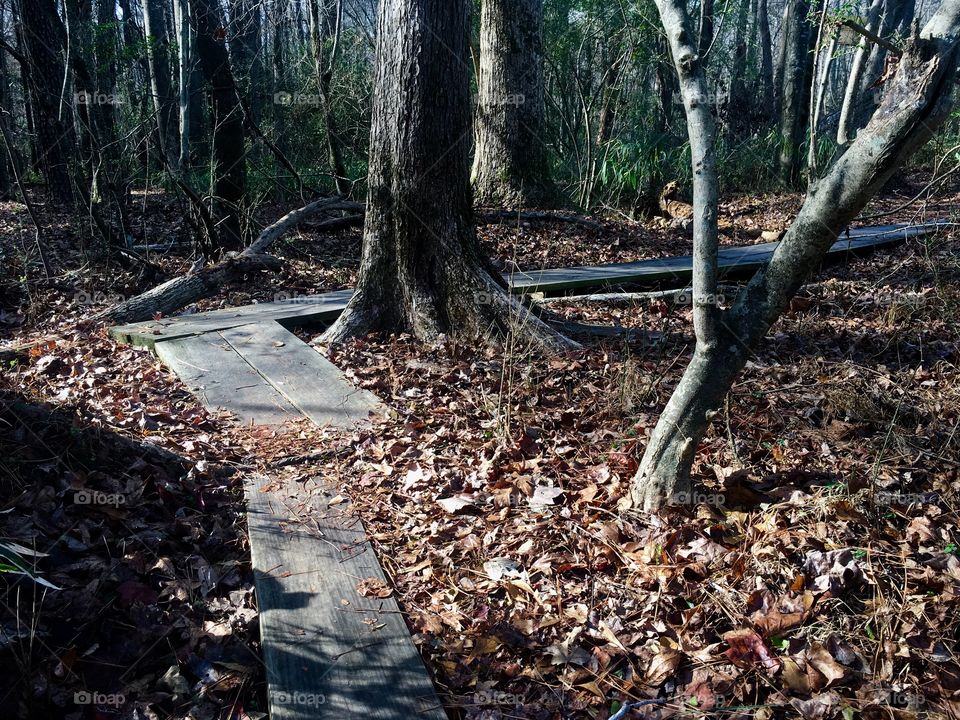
<point x="311" y="383"/>
<point x="317" y="309"/>
<point x="324" y="308"/>
<point x="223" y="380"/>
<point x="328" y="651"/>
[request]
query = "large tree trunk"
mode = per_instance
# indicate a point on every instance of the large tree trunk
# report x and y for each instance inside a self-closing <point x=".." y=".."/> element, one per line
<point x="797" y="69"/>
<point x="422" y="269"/>
<point x="510" y="165"/>
<point x="158" y="59"/>
<point x="229" y="144"/>
<point x="916" y="104"/>
<point x="44" y="40"/>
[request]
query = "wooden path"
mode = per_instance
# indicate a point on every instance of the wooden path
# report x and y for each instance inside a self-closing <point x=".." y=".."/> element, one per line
<point x="667" y="272"/>
<point x="328" y="651"/>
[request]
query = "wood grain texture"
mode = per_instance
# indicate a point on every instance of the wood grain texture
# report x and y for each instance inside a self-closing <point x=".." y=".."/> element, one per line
<point x="223" y="380"/>
<point x="310" y="382"/>
<point x="328" y="651"/>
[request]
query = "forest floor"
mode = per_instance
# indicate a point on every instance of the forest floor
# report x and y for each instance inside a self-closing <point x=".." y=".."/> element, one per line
<point x="815" y="573"/>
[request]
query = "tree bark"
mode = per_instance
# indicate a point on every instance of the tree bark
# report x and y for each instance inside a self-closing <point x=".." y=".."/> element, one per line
<point x="510" y="164"/>
<point x="43" y="39"/>
<point x="797" y="69"/>
<point x="846" y="127"/>
<point x="229" y="142"/>
<point x="766" y="59"/>
<point x="422" y="269"/>
<point x="158" y="60"/>
<point x="917" y="102"/>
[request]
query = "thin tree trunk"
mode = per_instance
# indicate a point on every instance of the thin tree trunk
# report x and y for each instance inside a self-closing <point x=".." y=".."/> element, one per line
<point x="794" y="113"/>
<point x="422" y="269"/>
<point x="737" y="114"/>
<point x="184" y="75"/>
<point x="229" y="143"/>
<point x="326" y="20"/>
<point x="705" y="34"/>
<point x="158" y="59"/>
<point x="510" y="164"/>
<point x="916" y="104"/>
<point x="846" y="128"/>
<point x="44" y="42"/>
<point x="766" y="58"/>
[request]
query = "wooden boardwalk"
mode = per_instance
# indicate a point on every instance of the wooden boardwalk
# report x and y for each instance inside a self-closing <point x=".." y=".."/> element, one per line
<point x="330" y="651"/>
<point x="666" y="272"/>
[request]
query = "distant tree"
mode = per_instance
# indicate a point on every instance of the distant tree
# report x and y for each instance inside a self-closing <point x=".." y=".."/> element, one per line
<point x="229" y="142"/>
<point x="43" y="40"/>
<point x="422" y="269"/>
<point x="510" y="165"/>
<point x="161" y="88"/>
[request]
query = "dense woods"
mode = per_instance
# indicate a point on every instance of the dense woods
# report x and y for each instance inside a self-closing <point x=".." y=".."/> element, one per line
<point x="567" y="306"/>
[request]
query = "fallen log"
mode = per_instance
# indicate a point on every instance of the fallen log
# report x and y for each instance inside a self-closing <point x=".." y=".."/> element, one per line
<point x="205" y="282"/>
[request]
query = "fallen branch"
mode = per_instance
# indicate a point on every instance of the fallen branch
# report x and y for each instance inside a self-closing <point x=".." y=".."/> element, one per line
<point x="205" y="282"/>
<point x="872" y="37"/>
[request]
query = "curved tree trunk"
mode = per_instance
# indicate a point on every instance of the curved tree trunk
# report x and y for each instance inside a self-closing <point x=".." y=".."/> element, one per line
<point x="846" y="127"/>
<point x="422" y="269"/>
<point x="917" y="102"/>
<point x="510" y="166"/>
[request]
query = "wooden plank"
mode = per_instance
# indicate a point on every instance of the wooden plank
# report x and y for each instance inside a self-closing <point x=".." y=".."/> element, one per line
<point x="733" y="260"/>
<point x="224" y="381"/>
<point x="311" y="383"/>
<point x="324" y="308"/>
<point x="328" y="651"/>
<point x="314" y="309"/>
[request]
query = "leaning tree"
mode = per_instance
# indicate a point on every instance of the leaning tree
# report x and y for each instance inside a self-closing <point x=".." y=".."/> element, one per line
<point x="422" y="270"/>
<point x="916" y="102"/>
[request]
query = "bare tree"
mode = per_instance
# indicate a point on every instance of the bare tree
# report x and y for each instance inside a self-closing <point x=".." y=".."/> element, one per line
<point x="917" y="102"/>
